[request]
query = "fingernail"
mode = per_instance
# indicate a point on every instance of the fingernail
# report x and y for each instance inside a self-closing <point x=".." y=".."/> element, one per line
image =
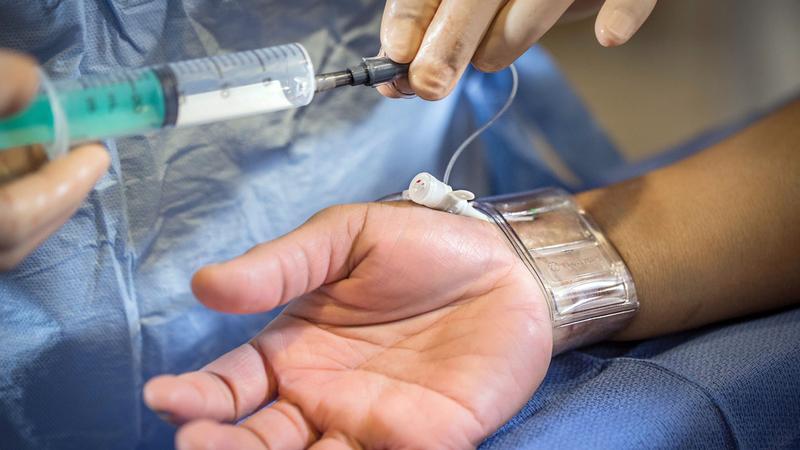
<point x="621" y="25"/>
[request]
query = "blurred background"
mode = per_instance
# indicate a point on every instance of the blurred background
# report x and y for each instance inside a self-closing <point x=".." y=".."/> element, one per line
<point x="695" y="65"/>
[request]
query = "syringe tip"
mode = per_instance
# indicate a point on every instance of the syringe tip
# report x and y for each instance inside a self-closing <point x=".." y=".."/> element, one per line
<point x="328" y="81"/>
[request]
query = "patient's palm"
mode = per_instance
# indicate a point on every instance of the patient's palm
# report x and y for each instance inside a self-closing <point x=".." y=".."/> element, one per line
<point x="427" y="331"/>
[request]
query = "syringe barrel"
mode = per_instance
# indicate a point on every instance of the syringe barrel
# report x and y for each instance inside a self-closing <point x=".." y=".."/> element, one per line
<point x="176" y="94"/>
<point x="242" y="84"/>
<point x="88" y="108"/>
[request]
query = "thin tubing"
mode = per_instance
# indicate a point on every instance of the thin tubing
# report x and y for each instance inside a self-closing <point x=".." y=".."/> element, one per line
<point x="511" y="96"/>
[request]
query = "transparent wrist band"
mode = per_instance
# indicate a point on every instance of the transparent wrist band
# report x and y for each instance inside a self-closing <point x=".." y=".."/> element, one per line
<point x="589" y="289"/>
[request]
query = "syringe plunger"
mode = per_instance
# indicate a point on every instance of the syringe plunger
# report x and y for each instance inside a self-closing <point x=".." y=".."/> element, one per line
<point x="171" y="95"/>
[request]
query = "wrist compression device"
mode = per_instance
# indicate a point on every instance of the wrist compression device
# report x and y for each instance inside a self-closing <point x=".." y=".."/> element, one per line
<point x="589" y="290"/>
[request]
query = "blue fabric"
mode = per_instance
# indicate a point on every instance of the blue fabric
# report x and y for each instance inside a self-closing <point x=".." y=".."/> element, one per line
<point x="104" y="304"/>
<point x="730" y="386"/>
<point x="548" y="138"/>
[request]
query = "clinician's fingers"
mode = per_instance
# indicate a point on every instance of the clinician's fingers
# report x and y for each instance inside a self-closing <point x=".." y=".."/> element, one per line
<point x="398" y="88"/>
<point x="35" y="201"/>
<point x="228" y="389"/>
<point x="517" y="27"/>
<point x="403" y="27"/>
<point x="19" y="161"/>
<point x="18" y="81"/>
<point x="274" y="273"/>
<point x="279" y="426"/>
<point x="619" y="20"/>
<point x="449" y="45"/>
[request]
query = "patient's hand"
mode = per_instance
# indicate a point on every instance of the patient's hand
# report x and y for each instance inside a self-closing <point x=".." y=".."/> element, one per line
<point x="409" y="328"/>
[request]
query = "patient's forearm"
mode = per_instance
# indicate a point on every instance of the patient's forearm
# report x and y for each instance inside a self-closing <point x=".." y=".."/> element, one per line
<point x="715" y="236"/>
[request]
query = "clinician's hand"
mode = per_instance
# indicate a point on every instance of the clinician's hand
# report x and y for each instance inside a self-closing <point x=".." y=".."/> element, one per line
<point x="412" y="328"/>
<point x="36" y="196"/>
<point x="441" y="37"/>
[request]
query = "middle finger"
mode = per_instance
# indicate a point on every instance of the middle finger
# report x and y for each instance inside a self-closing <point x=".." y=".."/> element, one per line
<point x="449" y="44"/>
<point x="518" y="26"/>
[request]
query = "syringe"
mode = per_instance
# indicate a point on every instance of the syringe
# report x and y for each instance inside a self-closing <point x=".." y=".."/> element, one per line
<point x="179" y="94"/>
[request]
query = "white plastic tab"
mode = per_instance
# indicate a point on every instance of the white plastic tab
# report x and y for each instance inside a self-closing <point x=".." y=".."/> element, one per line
<point x="427" y="190"/>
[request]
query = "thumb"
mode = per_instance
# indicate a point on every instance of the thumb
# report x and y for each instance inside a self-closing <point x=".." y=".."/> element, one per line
<point x="18" y="82"/>
<point x="272" y="274"/>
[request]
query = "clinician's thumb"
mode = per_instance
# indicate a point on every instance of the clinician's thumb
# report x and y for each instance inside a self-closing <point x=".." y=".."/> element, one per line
<point x="18" y="81"/>
<point x="274" y="273"/>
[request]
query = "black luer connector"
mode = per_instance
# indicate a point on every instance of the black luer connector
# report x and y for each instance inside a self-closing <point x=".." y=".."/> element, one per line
<point x="371" y="72"/>
<point x="378" y="70"/>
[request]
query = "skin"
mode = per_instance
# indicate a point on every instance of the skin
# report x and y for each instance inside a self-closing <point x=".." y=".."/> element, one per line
<point x="713" y="237"/>
<point x="413" y="328"/>
<point x="440" y="38"/>
<point x="37" y="196"/>
<point x="427" y="332"/>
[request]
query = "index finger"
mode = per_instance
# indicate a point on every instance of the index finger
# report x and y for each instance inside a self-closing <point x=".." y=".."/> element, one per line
<point x="32" y="202"/>
<point x="18" y="82"/>
<point x="403" y="27"/>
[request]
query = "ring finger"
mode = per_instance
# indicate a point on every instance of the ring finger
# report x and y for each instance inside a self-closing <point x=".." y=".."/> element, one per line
<point x="280" y="425"/>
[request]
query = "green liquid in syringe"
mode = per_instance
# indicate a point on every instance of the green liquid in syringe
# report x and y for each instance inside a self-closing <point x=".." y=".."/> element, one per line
<point x="99" y="107"/>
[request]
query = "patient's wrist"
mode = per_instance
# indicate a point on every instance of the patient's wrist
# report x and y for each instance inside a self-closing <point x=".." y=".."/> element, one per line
<point x="589" y="289"/>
